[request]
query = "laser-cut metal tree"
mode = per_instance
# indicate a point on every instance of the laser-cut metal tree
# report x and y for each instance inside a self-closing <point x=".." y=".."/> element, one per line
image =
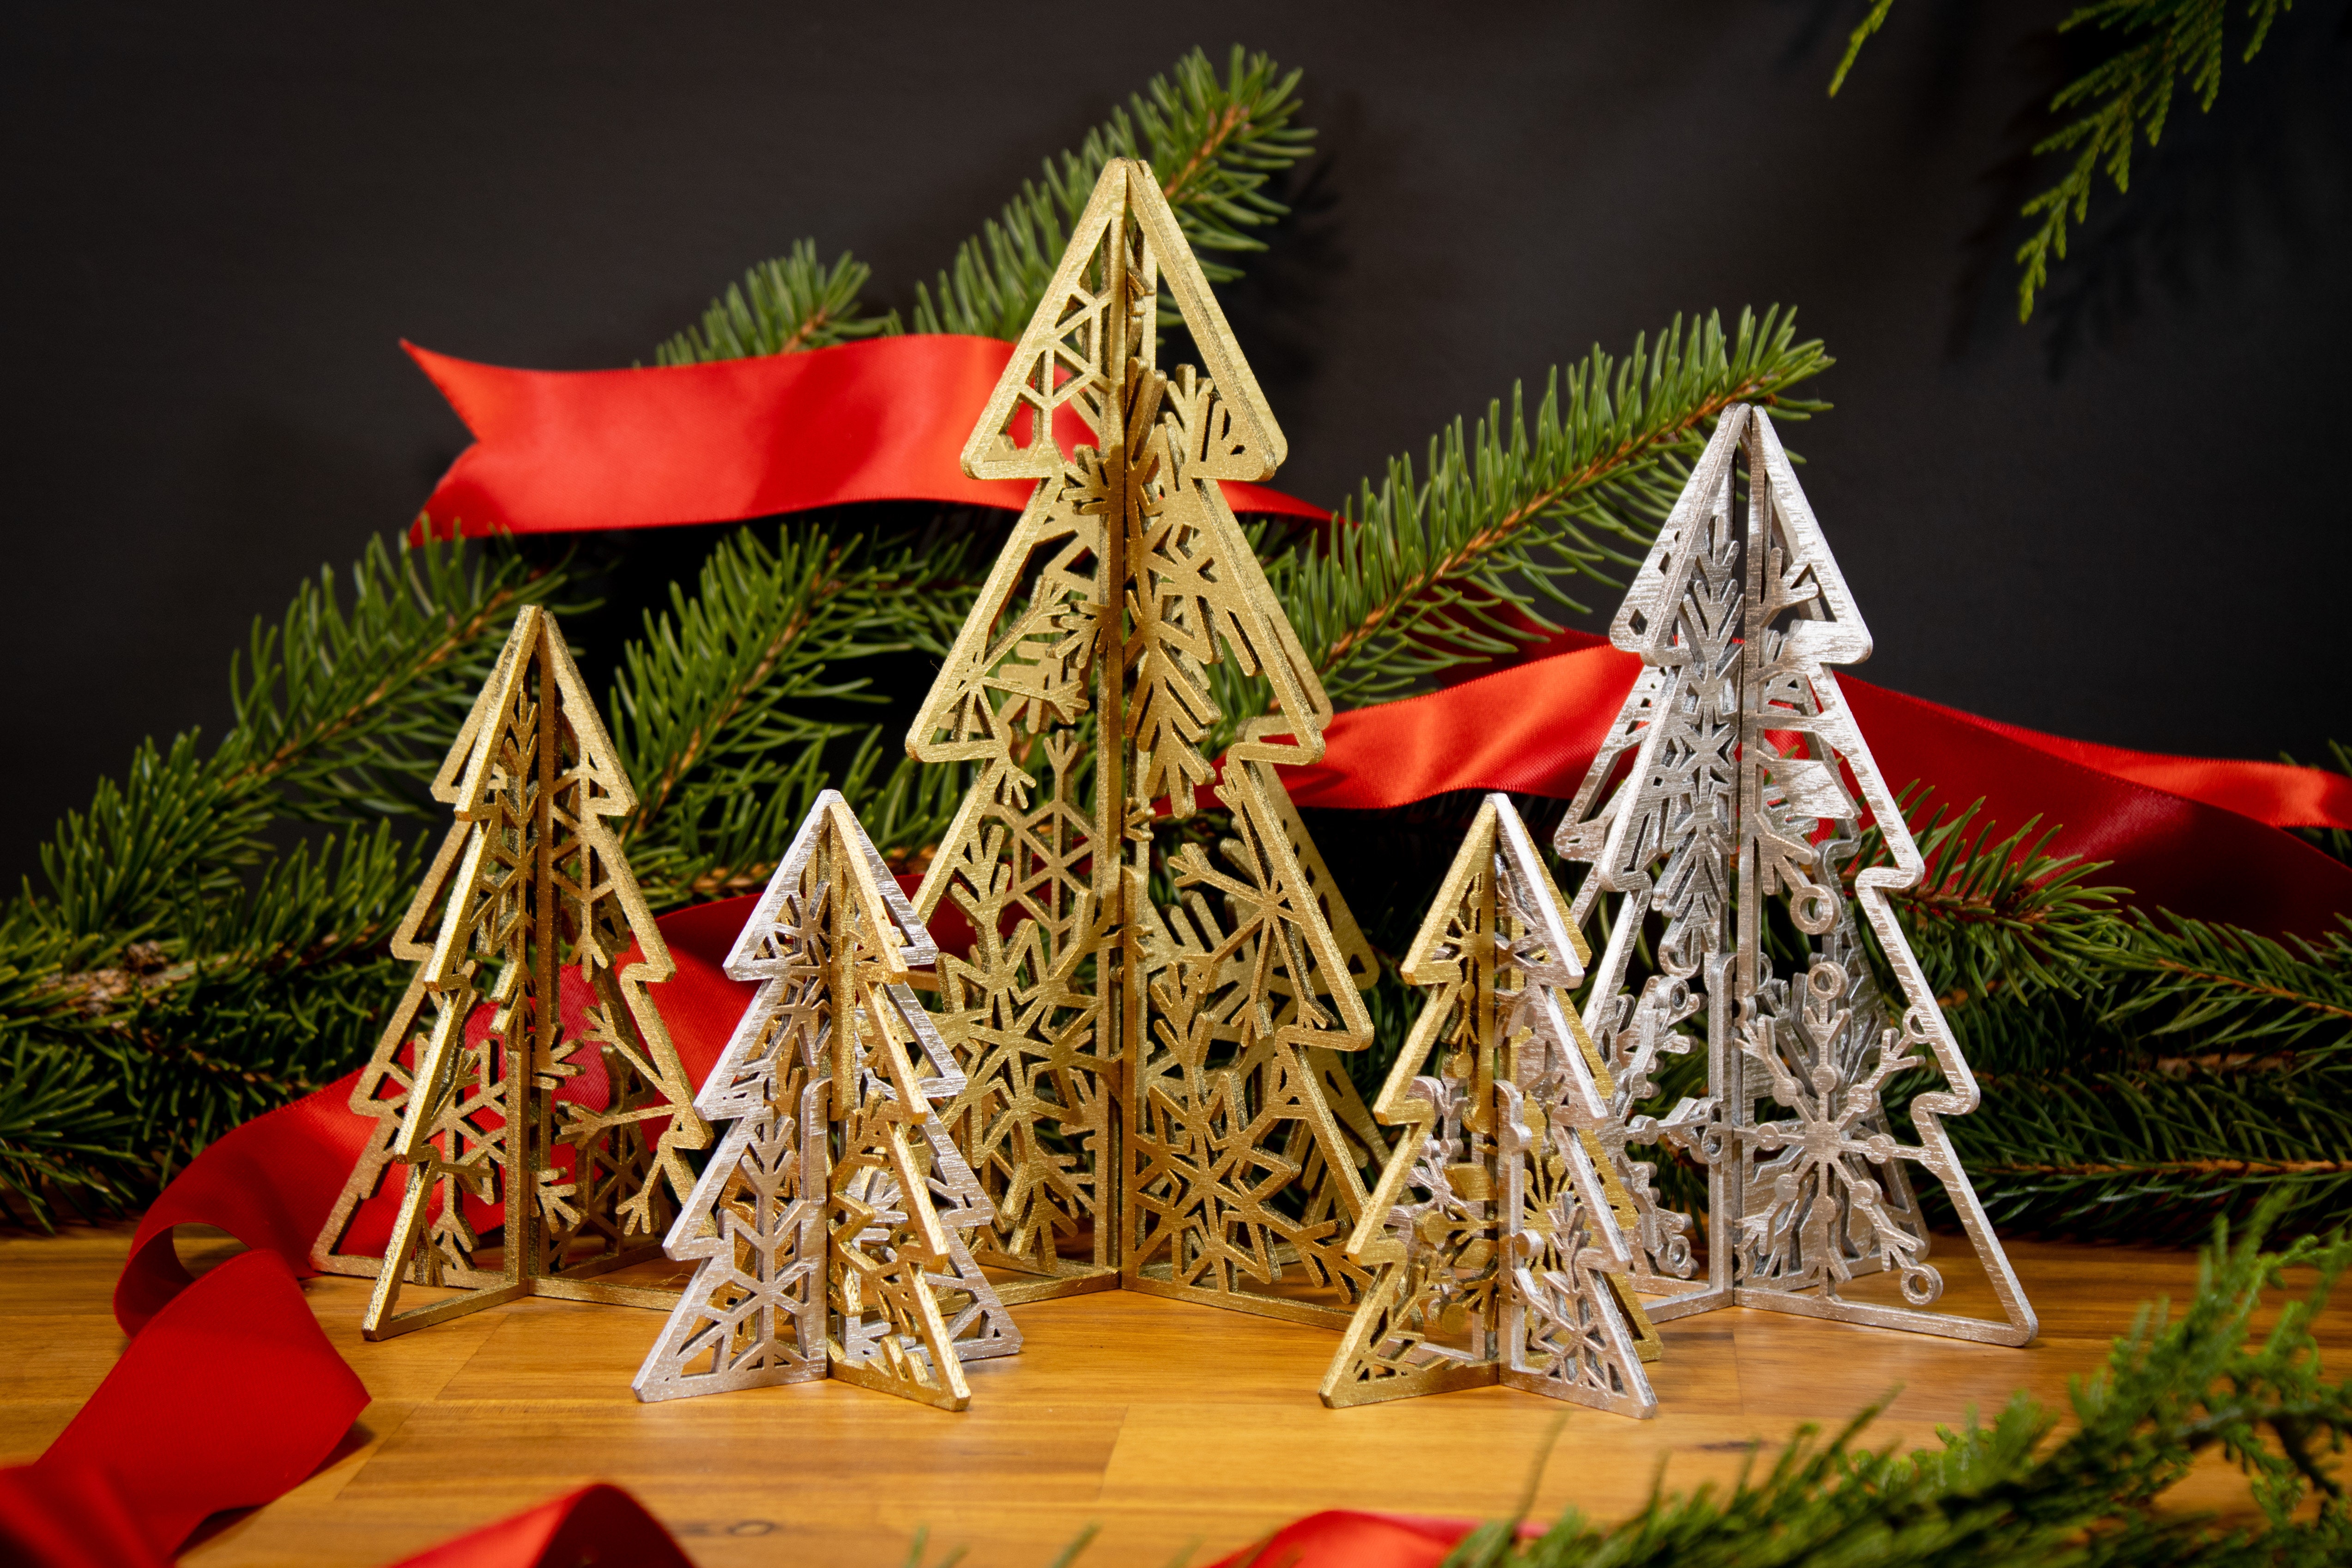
<point x="1081" y="689"/>
<point x="525" y="1081"/>
<point x="1494" y="1225"/>
<point x="1717" y="814"/>
<point x="827" y="1228"/>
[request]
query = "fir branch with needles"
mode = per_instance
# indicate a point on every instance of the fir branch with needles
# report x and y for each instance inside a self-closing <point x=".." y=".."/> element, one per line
<point x="1987" y="915"/>
<point x="2146" y="1070"/>
<point x="1216" y="142"/>
<point x="182" y="972"/>
<point x="2125" y="98"/>
<point x="782" y="306"/>
<point x="2029" y="1489"/>
<point x="715" y="708"/>
<point x="1422" y="575"/>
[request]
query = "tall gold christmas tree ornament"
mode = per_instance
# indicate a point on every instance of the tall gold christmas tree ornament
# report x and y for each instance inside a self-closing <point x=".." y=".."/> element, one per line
<point x="568" y="1137"/>
<point x="1717" y="818"/>
<point x="1084" y="689"/>
<point x="828" y="1226"/>
<point x="1495" y="1226"/>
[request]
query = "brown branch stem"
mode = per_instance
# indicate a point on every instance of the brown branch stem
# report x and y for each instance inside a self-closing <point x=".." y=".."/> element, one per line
<point x="2238" y="983"/>
<point x="1496" y="532"/>
<point x="2179" y="1167"/>
<point x="1231" y="123"/>
<point x="674" y="771"/>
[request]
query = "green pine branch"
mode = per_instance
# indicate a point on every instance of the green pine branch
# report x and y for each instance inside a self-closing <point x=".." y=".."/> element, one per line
<point x="181" y="972"/>
<point x="1420" y="576"/>
<point x="719" y="711"/>
<point x="1989" y="915"/>
<point x="2029" y="1489"/>
<point x="2124" y="99"/>
<point x="2142" y="1071"/>
<point x="782" y="306"/>
<point x="1215" y="142"/>
<point x="2233" y="992"/>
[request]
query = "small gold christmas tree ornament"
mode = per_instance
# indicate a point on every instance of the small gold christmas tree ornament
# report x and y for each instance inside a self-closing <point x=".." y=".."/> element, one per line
<point x="828" y="1227"/>
<point x="570" y="1136"/>
<point x="1114" y="633"/>
<point x="1494" y="1227"/>
<point x="1717" y="818"/>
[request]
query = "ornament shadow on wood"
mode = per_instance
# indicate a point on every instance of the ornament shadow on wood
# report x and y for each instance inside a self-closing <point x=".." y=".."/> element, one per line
<point x="1495" y="1224"/>
<point x="1716" y="816"/>
<point x="1154" y="1099"/>
<point x="827" y="1228"/>
<point x="525" y="1081"/>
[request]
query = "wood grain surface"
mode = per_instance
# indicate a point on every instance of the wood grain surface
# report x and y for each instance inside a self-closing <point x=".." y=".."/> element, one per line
<point x="1165" y="1424"/>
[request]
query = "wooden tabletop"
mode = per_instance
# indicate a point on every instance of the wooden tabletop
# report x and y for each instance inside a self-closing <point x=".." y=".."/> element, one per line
<point x="1165" y="1424"/>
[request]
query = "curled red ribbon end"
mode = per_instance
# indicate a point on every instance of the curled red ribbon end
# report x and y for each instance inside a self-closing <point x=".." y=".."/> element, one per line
<point x="886" y="419"/>
<point x="227" y="1399"/>
<point x="599" y="1523"/>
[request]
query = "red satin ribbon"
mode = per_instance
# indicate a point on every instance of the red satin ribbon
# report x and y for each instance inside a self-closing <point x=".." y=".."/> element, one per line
<point x="1347" y="1538"/>
<point x="230" y="1396"/>
<point x="597" y="1524"/>
<point x="272" y="1182"/>
<point x="561" y="451"/>
<point x="2188" y="834"/>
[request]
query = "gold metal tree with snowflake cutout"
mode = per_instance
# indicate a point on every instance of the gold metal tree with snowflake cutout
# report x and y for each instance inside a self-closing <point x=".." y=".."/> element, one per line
<point x="1494" y="1225"/>
<point x="1718" y="825"/>
<point x="1153" y="1097"/>
<point x="827" y="1228"/>
<point x="525" y="1081"/>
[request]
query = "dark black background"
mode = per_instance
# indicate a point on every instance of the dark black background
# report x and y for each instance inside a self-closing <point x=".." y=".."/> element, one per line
<point x="2127" y="521"/>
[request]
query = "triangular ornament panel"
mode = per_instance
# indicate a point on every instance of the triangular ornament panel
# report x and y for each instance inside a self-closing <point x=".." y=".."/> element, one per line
<point x="1086" y="685"/>
<point x="1717" y="818"/>
<point x="828" y="1229"/>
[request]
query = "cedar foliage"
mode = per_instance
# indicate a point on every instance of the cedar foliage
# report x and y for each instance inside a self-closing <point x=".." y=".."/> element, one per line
<point x="210" y="939"/>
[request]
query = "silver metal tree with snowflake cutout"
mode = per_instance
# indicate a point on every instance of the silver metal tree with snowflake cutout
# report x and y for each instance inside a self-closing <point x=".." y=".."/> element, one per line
<point x="827" y="1228"/>
<point x="1719" y="826"/>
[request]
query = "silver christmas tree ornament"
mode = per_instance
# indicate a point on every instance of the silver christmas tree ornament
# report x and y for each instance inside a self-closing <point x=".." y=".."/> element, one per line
<point x="1718" y="817"/>
<point x="828" y="1227"/>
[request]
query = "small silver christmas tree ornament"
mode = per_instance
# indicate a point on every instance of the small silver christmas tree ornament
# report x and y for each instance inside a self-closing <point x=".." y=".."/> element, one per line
<point x="1494" y="1224"/>
<point x="1717" y="817"/>
<point x="827" y="1229"/>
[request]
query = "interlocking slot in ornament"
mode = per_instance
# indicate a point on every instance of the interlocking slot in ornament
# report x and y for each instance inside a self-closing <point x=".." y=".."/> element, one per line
<point x="1716" y="816"/>
<point x="828" y="1227"/>
<point x="1116" y="630"/>
<point x="525" y="1081"/>
<point x="1495" y="1226"/>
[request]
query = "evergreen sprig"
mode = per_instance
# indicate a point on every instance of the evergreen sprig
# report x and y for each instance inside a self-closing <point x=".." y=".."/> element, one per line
<point x="782" y="306"/>
<point x="183" y="972"/>
<point x="1989" y="915"/>
<point x="2014" y="1490"/>
<point x="1215" y="142"/>
<point x="2143" y="1071"/>
<point x="1424" y="575"/>
<point x="2124" y="98"/>
<point x="719" y="711"/>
